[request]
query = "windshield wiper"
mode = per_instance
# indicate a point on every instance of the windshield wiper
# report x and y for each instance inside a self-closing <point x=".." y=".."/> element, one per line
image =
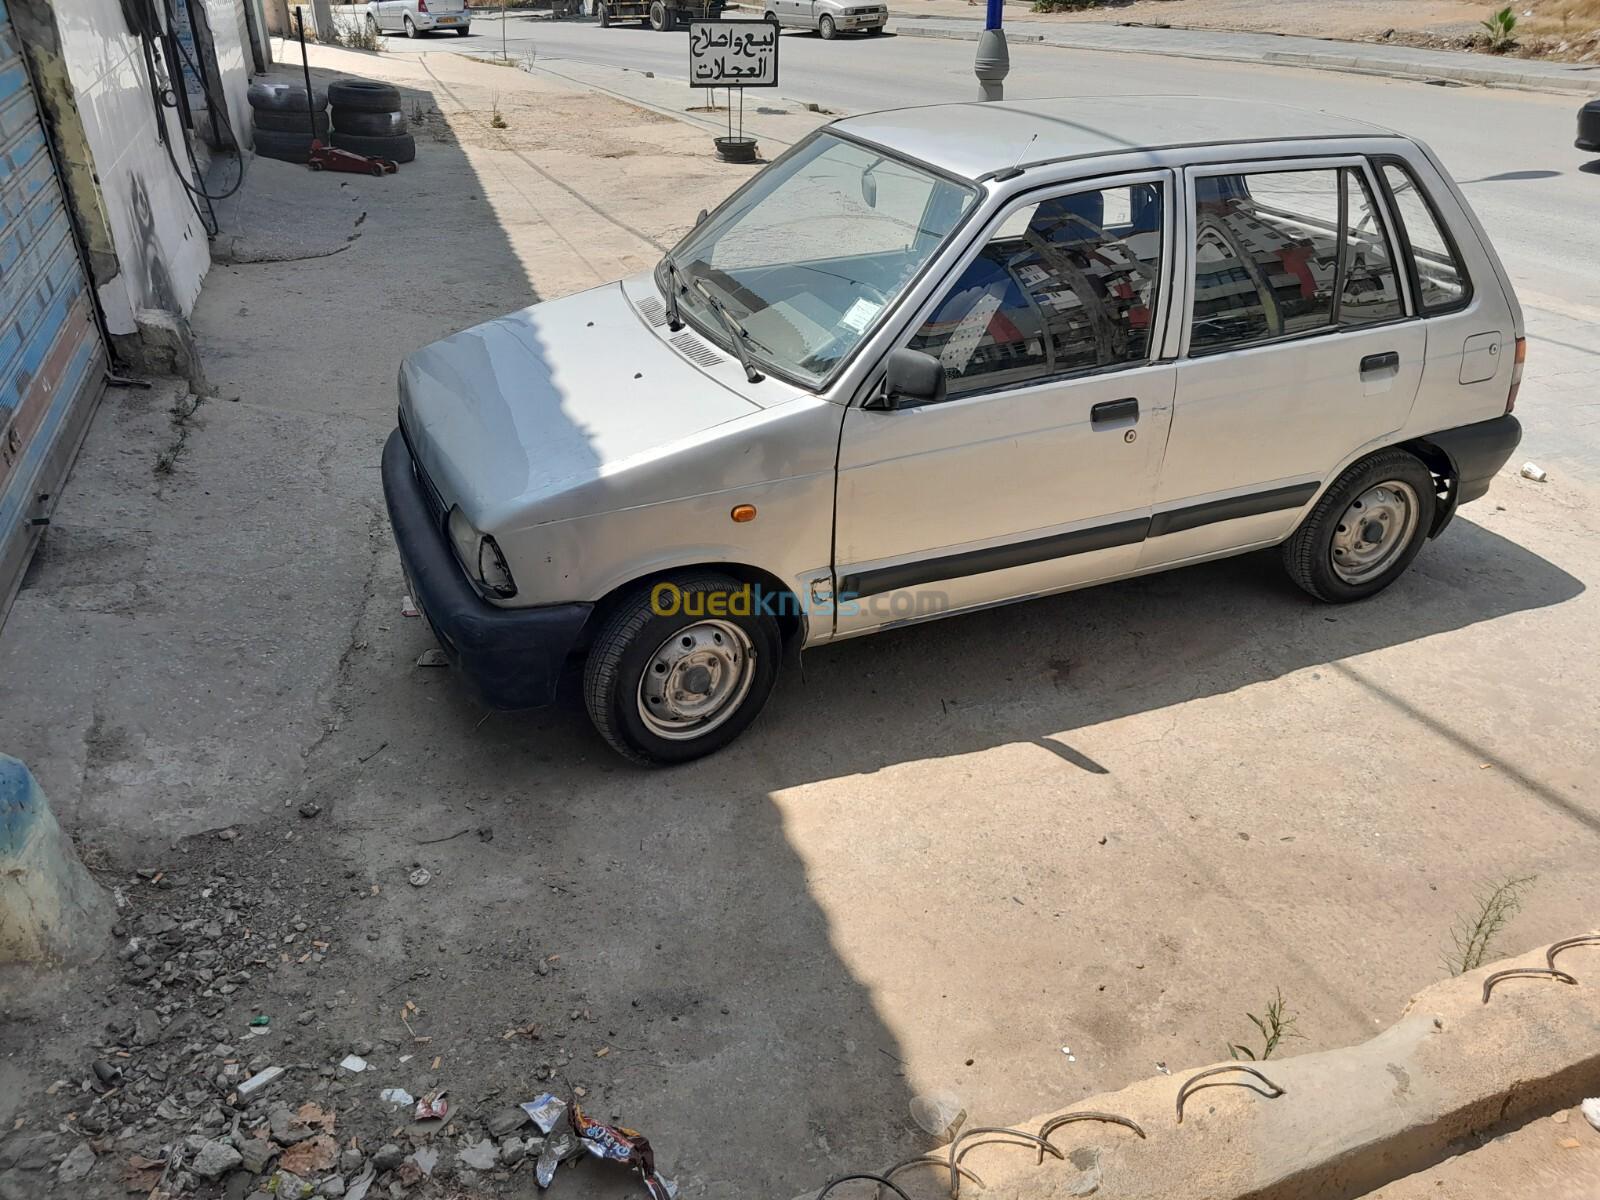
<point x="736" y="332"/>
<point x="674" y="286"/>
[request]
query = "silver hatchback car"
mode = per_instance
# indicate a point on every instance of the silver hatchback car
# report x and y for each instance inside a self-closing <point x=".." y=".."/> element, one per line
<point x="943" y="358"/>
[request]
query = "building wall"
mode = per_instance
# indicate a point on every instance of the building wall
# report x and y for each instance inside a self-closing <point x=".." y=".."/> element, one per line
<point x="159" y="241"/>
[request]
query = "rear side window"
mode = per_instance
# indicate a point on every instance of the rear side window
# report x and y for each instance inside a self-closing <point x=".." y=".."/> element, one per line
<point x="1067" y="284"/>
<point x="1441" y="279"/>
<point x="1286" y="253"/>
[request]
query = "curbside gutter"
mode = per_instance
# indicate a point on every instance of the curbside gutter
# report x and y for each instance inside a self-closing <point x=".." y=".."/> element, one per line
<point x="51" y="910"/>
<point x="1448" y="70"/>
<point x="1347" y="1121"/>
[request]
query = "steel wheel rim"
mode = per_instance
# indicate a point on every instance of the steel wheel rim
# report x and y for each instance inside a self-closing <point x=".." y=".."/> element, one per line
<point x="696" y="680"/>
<point x="1374" y="531"/>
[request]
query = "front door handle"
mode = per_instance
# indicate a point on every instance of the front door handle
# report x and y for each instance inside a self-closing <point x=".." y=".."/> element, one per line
<point x="1372" y="364"/>
<point x="1126" y="409"/>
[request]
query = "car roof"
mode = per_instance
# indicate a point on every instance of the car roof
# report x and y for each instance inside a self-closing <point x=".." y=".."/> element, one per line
<point x="975" y="140"/>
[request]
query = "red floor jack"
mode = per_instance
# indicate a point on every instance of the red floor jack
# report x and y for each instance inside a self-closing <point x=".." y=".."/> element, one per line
<point x="331" y="158"/>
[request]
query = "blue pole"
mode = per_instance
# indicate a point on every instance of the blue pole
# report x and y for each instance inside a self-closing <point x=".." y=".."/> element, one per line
<point x="992" y="17"/>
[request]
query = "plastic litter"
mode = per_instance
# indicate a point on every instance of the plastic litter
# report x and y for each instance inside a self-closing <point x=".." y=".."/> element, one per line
<point x="557" y="1146"/>
<point x="939" y="1113"/>
<point x="354" y="1062"/>
<point x="617" y="1143"/>
<point x="1534" y="472"/>
<point x="396" y="1096"/>
<point x="545" y="1111"/>
<point x="432" y="1107"/>
<point x="408" y="607"/>
<point x="433" y="657"/>
<point x="260" y="1021"/>
<point x="260" y="1080"/>
<point x="357" y="1189"/>
<point x="1591" y="1111"/>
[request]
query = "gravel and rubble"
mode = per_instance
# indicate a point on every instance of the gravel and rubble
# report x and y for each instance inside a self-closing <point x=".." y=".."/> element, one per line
<point x="216" y="1061"/>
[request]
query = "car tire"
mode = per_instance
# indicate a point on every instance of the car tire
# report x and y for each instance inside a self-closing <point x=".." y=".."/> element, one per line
<point x="283" y="146"/>
<point x="875" y="31"/>
<point x="636" y="645"/>
<point x="373" y="27"/>
<point x="660" y="17"/>
<point x="603" y="12"/>
<point x="411" y="29"/>
<point x="1364" y="531"/>
<point x="268" y="96"/>
<point x="369" y="124"/>
<point x="288" y="122"/>
<point x="364" y="95"/>
<point x="463" y="30"/>
<point x="771" y="18"/>
<point x="826" y="27"/>
<point x="402" y="148"/>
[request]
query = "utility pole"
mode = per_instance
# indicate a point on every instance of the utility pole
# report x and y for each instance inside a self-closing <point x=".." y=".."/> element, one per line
<point x="993" y="63"/>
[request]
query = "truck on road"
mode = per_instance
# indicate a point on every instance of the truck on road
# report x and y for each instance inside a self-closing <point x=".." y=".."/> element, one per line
<point x="658" y="14"/>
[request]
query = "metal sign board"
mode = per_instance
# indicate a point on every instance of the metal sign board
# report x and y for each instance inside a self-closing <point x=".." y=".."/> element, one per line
<point x="733" y="54"/>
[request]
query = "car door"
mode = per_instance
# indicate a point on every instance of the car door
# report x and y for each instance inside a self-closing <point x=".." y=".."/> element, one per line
<point x="1299" y="350"/>
<point x="1036" y="471"/>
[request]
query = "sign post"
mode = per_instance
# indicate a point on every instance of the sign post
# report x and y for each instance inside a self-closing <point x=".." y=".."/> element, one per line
<point x="733" y="55"/>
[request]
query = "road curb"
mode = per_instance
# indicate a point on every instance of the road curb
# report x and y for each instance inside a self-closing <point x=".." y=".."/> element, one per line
<point x="1342" y="1123"/>
<point x="1352" y="64"/>
<point x="51" y="910"/>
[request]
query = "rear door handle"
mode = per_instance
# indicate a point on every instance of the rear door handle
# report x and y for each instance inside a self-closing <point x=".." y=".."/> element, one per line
<point x="1115" y="410"/>
<point x="1387" y="361"/>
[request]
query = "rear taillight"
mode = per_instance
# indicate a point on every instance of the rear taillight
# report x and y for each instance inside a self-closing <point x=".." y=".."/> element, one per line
<point x="422" y="5"/>
<point x="1516" y="373"/>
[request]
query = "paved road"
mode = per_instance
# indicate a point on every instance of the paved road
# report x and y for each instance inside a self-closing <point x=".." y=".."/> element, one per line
<point x="1512" y="152"/>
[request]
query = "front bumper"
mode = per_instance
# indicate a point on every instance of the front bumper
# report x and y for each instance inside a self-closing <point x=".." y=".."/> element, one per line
<point x="869" y="21"/>
<point x="1589" y="127"/>
<point x="512" y="657"/>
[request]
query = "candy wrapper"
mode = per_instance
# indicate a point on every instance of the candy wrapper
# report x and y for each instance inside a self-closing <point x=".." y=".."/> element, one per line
<point x="615" y="1143"/>
<point x="556" y="1147"/>
<point x="546" y="1111"/>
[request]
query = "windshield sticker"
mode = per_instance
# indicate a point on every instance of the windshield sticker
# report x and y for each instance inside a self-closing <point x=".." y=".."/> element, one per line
<point x="859" y="315"/>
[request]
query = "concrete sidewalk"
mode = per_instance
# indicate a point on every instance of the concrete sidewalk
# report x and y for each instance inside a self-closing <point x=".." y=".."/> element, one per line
<point x="1365" y="58"/>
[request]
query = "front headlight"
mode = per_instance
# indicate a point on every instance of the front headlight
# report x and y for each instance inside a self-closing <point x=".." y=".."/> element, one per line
<point x="480" y="556"/>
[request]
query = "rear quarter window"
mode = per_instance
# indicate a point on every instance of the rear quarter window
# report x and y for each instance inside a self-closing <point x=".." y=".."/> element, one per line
<point x="1439" y="279"/>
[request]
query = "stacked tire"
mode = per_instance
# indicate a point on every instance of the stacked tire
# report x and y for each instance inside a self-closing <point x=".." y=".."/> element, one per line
<point x="367" y="119"/>
<point x="283" y="117"/>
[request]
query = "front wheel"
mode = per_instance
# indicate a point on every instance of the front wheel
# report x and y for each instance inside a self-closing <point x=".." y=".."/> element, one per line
<point x="660" y="17"/>
<point x="875" y="31"/>
<point x="372" y="25"/>
<point x="681" y="669"/>
<point x="1365" y="530"/>
<point x="826" y="27"/>
<point x="604" y="13"/>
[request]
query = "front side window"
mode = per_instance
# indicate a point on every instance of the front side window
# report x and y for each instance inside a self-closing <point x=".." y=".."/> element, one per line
<point x="1066" y="284"/>
<point x="1285" y="253"/>
<point x="815" y="249"/>
<point x="1441" y="279"/>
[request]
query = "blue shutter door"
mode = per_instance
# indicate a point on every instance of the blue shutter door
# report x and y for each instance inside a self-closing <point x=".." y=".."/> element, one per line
<point x="52" y="362"/>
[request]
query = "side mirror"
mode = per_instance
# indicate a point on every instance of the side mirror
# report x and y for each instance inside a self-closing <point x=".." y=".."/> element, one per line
<point x="910" y="378"/>
<point x="869" y="188"/>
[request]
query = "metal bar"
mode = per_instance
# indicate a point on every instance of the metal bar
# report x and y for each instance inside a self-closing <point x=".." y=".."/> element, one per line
<point x="1588" y="939"/>
<point x="1188" y="1085"/>
<point x="1524" y="973"/>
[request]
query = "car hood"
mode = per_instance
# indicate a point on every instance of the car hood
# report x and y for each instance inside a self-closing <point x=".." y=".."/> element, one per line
<point x="539" y="401"/>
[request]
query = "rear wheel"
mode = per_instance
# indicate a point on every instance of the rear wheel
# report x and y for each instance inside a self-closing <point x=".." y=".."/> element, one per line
<point x="676" y="674"/>
<point x="411" y="30"/>
<point x="463" y="30"/>
<point x="826" y="27"/>
<point x="660" y="16"/>
<point x="604" y="13"/>
<point x="1365" y="530"/>
<point x="875" y="31"/>
<point x="771" y="17"/>
<point x="372" y="25"/>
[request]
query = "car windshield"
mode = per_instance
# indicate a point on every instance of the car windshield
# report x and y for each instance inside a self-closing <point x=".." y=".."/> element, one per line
<point x="812" y="251"/>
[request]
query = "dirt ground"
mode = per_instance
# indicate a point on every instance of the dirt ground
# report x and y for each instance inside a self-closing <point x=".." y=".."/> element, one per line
<point x="1553" y="1158"/>
<point x="1021" y="857"/>
<point x="1559" y="29"/>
